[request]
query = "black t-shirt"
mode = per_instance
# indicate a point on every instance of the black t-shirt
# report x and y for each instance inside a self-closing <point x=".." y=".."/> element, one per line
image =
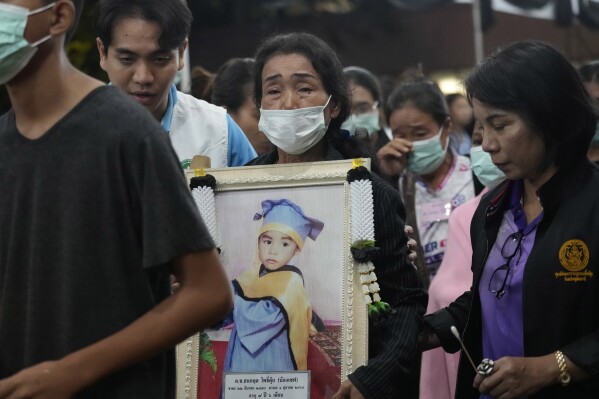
<point x="91" y="214"/>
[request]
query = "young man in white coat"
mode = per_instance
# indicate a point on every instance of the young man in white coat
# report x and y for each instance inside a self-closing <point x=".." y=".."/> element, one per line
<point x="141" y="45"/>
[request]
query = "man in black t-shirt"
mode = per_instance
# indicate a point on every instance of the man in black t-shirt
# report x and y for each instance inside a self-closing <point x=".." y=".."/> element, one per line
<point x="94" y="216"/>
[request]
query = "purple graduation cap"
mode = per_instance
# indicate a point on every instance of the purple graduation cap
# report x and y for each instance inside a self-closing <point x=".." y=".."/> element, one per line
<point x="286" y="217"/>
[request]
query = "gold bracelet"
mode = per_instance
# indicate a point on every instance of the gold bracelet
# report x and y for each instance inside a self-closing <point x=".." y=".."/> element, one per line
<point x="564" y="377"/>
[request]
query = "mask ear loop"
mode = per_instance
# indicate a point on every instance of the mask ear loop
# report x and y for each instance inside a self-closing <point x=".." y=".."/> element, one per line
<point x="41" y="9"/>
<point x="38" y="42"/>
<point x="440" y="133"/>
<point x="37" y="11"/>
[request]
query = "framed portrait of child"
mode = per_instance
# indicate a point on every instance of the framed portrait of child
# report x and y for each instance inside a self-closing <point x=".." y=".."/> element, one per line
<point x="284" y="237"/>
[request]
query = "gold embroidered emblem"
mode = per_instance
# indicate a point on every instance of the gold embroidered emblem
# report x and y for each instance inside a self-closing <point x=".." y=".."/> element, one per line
<point x="574" y="257"/>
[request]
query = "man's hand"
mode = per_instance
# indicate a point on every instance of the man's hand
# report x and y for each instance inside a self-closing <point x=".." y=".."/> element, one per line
<point x="47" y="380"/>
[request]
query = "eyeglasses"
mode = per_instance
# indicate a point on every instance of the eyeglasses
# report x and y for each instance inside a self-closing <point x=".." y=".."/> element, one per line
<point x="508" y="251"/>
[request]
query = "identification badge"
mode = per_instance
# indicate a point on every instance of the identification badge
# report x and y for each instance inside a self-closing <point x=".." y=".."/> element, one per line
<point x="434" y="212"/>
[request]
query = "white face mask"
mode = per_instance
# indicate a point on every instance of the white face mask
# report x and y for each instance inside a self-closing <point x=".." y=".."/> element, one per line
<point x="15" y="50"/>
<point x="294" y="131"/>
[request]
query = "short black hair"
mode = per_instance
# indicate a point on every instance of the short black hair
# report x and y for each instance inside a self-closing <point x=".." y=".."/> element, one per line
<point x="423" y="95"/>
<point x="364" y="78"/>
<point x="322" y="57"/>
<point x="173" y="16"/>
<point x="233" y="83"/>
<point x="536" y="82"/>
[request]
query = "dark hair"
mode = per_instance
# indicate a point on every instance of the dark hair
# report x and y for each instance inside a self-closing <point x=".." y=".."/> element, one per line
<point x="201" y="82"/>
<point x="589" y="72"/>
<point x="364" y="78"/>
<point x="79" y="4"/>
<point x="173" y="17"/>
<point x="533" y="80"/>
<point x="233" y="83"/>
<point x="330" y="70"/>
<point x="422" y="95"/>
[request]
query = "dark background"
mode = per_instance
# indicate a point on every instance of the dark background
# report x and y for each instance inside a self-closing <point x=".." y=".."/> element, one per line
<point x="374" y="34"/>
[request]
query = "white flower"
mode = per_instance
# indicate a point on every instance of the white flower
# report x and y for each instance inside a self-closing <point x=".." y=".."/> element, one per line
<point x="363" y="268"/>
<point x="374" y="287"/>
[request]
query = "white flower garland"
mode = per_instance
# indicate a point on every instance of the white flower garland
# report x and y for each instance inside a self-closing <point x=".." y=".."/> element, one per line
<point x="362" y="231"/>
<point x="203" y="196"/>
<point x="204" y="199"/>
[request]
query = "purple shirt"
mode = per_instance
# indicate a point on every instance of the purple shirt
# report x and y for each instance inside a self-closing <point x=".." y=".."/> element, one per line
<point x="502" y="318"/>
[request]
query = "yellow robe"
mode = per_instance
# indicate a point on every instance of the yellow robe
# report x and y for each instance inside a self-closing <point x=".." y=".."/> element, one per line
<point x="288" y="288"/>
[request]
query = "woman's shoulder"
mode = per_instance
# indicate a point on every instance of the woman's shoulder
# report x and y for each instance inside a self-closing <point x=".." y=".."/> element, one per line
<point x="384" y="188"/>
<point x="388" y="205"/>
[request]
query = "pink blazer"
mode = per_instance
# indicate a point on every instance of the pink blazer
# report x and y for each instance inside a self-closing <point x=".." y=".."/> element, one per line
<point x="439" y="369"/>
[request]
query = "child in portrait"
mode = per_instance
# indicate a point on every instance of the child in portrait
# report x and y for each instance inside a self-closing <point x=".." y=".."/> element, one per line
<point x="272" y="313"/>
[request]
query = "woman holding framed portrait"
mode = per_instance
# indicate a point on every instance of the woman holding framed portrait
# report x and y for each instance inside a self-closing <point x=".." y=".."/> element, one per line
<point x="303" y="98"/>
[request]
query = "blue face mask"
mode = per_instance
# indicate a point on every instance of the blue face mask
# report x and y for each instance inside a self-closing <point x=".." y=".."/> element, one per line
<point x="427" y="155"/>
<point x="15" y="50"/>
<point x="484" y="169"/>
<point x="368" y="121"/>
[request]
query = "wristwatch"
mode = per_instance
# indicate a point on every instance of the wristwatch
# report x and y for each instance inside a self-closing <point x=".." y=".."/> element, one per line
<point x="564" y="377"/>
